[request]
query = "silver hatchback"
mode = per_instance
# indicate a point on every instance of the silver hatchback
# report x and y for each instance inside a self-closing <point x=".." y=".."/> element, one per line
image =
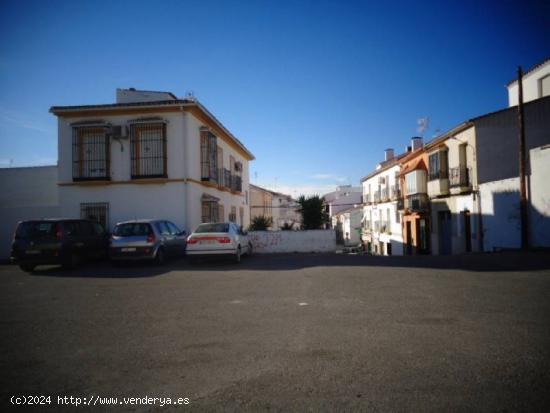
<point x="146" y="239"/>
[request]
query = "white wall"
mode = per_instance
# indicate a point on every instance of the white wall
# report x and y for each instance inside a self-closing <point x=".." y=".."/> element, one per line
<point x="269" y="242"/>
<point x="531" y="85"/>
<point x="25" y="193"/>
<point x="540" y="196"/>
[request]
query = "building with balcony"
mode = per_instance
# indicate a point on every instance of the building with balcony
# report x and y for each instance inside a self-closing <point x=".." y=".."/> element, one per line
<point x="416" y="207"/>
<point x="452" y="189"/>
<point x="381" y="222"/>
<point x="150" y="155"/>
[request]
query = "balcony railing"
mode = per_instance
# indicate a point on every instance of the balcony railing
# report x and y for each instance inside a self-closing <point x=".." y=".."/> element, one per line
<point x="442" y="174"/>
<point x="385" y="194"/>
<point x="367" y="199"/>
<point x="460" y="177"/>
<point x="381" y="227"/>
<point x="400" y="203"/>
<point x="395" y="193"/>
<point x="224" y="179"/>
<point x="417" y="203"/>
<point x="376" y="196"/>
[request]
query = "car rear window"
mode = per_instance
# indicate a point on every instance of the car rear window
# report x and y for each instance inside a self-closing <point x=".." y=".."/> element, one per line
<point x="133" y="229"/>
<point x="35" y="229"/>
<point x="205" y="228"/>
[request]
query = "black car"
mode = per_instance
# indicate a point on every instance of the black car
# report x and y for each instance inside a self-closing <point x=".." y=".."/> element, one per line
<point x="59" y="242"/>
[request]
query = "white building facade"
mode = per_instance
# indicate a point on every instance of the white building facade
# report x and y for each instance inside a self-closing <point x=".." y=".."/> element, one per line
<point x="536" y="84"/>
<point x="382" y="228"/>
<point x="150" y="155"/>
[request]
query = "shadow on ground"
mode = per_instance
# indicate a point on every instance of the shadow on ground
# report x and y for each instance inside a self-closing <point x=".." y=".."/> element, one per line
<point x="502" y="261"/>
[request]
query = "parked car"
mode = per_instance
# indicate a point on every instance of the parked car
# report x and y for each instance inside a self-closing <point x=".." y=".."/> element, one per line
<point x="147" y="240"/>
<point x="58" y="241"/>
<point x="218" y="239"/>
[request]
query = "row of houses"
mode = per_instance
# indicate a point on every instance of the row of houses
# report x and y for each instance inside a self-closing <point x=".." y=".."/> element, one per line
<point x="280" y="208"/>
<point x="460" y="192"/>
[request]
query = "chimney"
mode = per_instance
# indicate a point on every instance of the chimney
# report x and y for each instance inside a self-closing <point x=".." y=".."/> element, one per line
<point x="388" y="154"/>
<point x="416" y="143"/>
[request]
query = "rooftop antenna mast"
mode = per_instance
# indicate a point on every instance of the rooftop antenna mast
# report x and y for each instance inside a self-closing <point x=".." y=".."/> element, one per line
<point x="422" y="125"/>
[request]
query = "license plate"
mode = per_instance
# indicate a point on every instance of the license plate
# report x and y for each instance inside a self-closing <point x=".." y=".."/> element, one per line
<point x="30" y="252"/>
<point x="208" y="241"/>
<point x="128" y="249"/>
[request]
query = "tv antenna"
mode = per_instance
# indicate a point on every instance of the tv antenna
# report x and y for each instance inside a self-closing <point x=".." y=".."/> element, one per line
<point x="422" y="125"/>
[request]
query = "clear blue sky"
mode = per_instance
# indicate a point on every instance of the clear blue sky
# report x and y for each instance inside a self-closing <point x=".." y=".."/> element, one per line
<point x="316" y="90"/>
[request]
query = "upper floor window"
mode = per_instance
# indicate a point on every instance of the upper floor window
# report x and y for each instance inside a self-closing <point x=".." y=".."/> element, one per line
<point x="209" y="156"/>
<point x="545" y="86"/>
<point x="438" y="165"/>
<point x="90" y="153"/>
<point x="148" y="150"/>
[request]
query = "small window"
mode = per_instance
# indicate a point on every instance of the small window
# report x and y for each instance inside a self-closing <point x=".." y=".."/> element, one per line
<point x="210" y="211"/>
<point x="97" y="212"/>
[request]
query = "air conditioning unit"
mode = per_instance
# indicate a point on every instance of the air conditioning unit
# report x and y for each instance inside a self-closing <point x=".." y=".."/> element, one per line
<point x="381" y="180"/>
<point x="119" y="132"/>
<point x="238" y="166"/>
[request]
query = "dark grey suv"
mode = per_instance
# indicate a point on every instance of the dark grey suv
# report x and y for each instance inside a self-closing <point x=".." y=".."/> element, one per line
<point x="58" y="241"/>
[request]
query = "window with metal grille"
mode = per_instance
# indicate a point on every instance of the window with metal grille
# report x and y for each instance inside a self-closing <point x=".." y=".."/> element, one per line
<point x="148" y="150"/>
<point x="97" y="211"/>
<point x="91" y="152"/>
<point x="209" y="157"/>
<point x="210" y="211"/>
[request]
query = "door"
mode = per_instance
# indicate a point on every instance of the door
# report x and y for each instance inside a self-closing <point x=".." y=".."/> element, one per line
<point x="409" y="238"/>
<point x="444" y="232"/>
<point x="467" y="230"/>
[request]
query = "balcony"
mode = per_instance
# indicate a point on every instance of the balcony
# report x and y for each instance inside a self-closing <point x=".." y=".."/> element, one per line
<point x="236" y="183"/>
<point x="459" y="179"/>
<point x="385" y="195"/>
<point x="376" y="197"/>
<point x="438" y="183"/>
<point x="417" y="203"/>
<point x="367" y="199"/>
<point x="400" y="204"/>
<point x="395" y="193"/>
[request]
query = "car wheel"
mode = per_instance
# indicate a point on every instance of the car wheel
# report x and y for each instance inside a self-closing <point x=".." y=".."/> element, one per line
<point x="71" y="262"/>
<point x="159" y="258"/>
<point x="249" y="253"/>
<point x="27" y="267"/>
<point x="238" y="254"/>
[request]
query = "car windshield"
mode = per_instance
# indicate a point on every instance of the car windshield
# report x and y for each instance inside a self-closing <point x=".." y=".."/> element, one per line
<point x="205" y="228"/>
<point x="35" y="229"/>
<point x="132" y="229"/>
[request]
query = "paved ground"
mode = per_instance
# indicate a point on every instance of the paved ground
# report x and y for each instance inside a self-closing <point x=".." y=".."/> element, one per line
<point x="286" y="333"/>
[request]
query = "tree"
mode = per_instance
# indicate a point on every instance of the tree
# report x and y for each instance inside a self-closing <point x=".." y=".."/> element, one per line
<point x="261" y="223"/>
<point x="313" y="212"/>
<point x="288" y="226"/>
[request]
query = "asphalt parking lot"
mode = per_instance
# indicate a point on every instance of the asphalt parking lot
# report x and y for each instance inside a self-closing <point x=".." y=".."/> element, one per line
<point x="285" y="333"/>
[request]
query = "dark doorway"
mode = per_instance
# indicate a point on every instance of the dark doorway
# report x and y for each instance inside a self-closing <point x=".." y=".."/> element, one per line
<point x="409" y="238"/>
<point x="467" y="230"/>
<point x="444" y="232"/>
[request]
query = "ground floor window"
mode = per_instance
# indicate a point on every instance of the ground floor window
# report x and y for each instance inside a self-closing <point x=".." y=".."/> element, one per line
<point x="210" y="211"/>
<point x="97" y="212"/>
<point x="233" y="214"/>
<point x="388" y="248"/>
<point x="221" y="213"/>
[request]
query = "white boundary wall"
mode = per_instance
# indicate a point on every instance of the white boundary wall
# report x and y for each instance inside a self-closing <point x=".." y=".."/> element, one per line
<point x="270" y="242"/>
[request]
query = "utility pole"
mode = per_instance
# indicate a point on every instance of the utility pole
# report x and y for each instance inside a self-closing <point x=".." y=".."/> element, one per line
<point x="522" y="186"/>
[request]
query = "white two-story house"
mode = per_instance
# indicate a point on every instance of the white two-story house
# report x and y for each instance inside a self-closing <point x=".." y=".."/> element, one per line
<point x="150" y="155"/>
<point x="382" y="234"/>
